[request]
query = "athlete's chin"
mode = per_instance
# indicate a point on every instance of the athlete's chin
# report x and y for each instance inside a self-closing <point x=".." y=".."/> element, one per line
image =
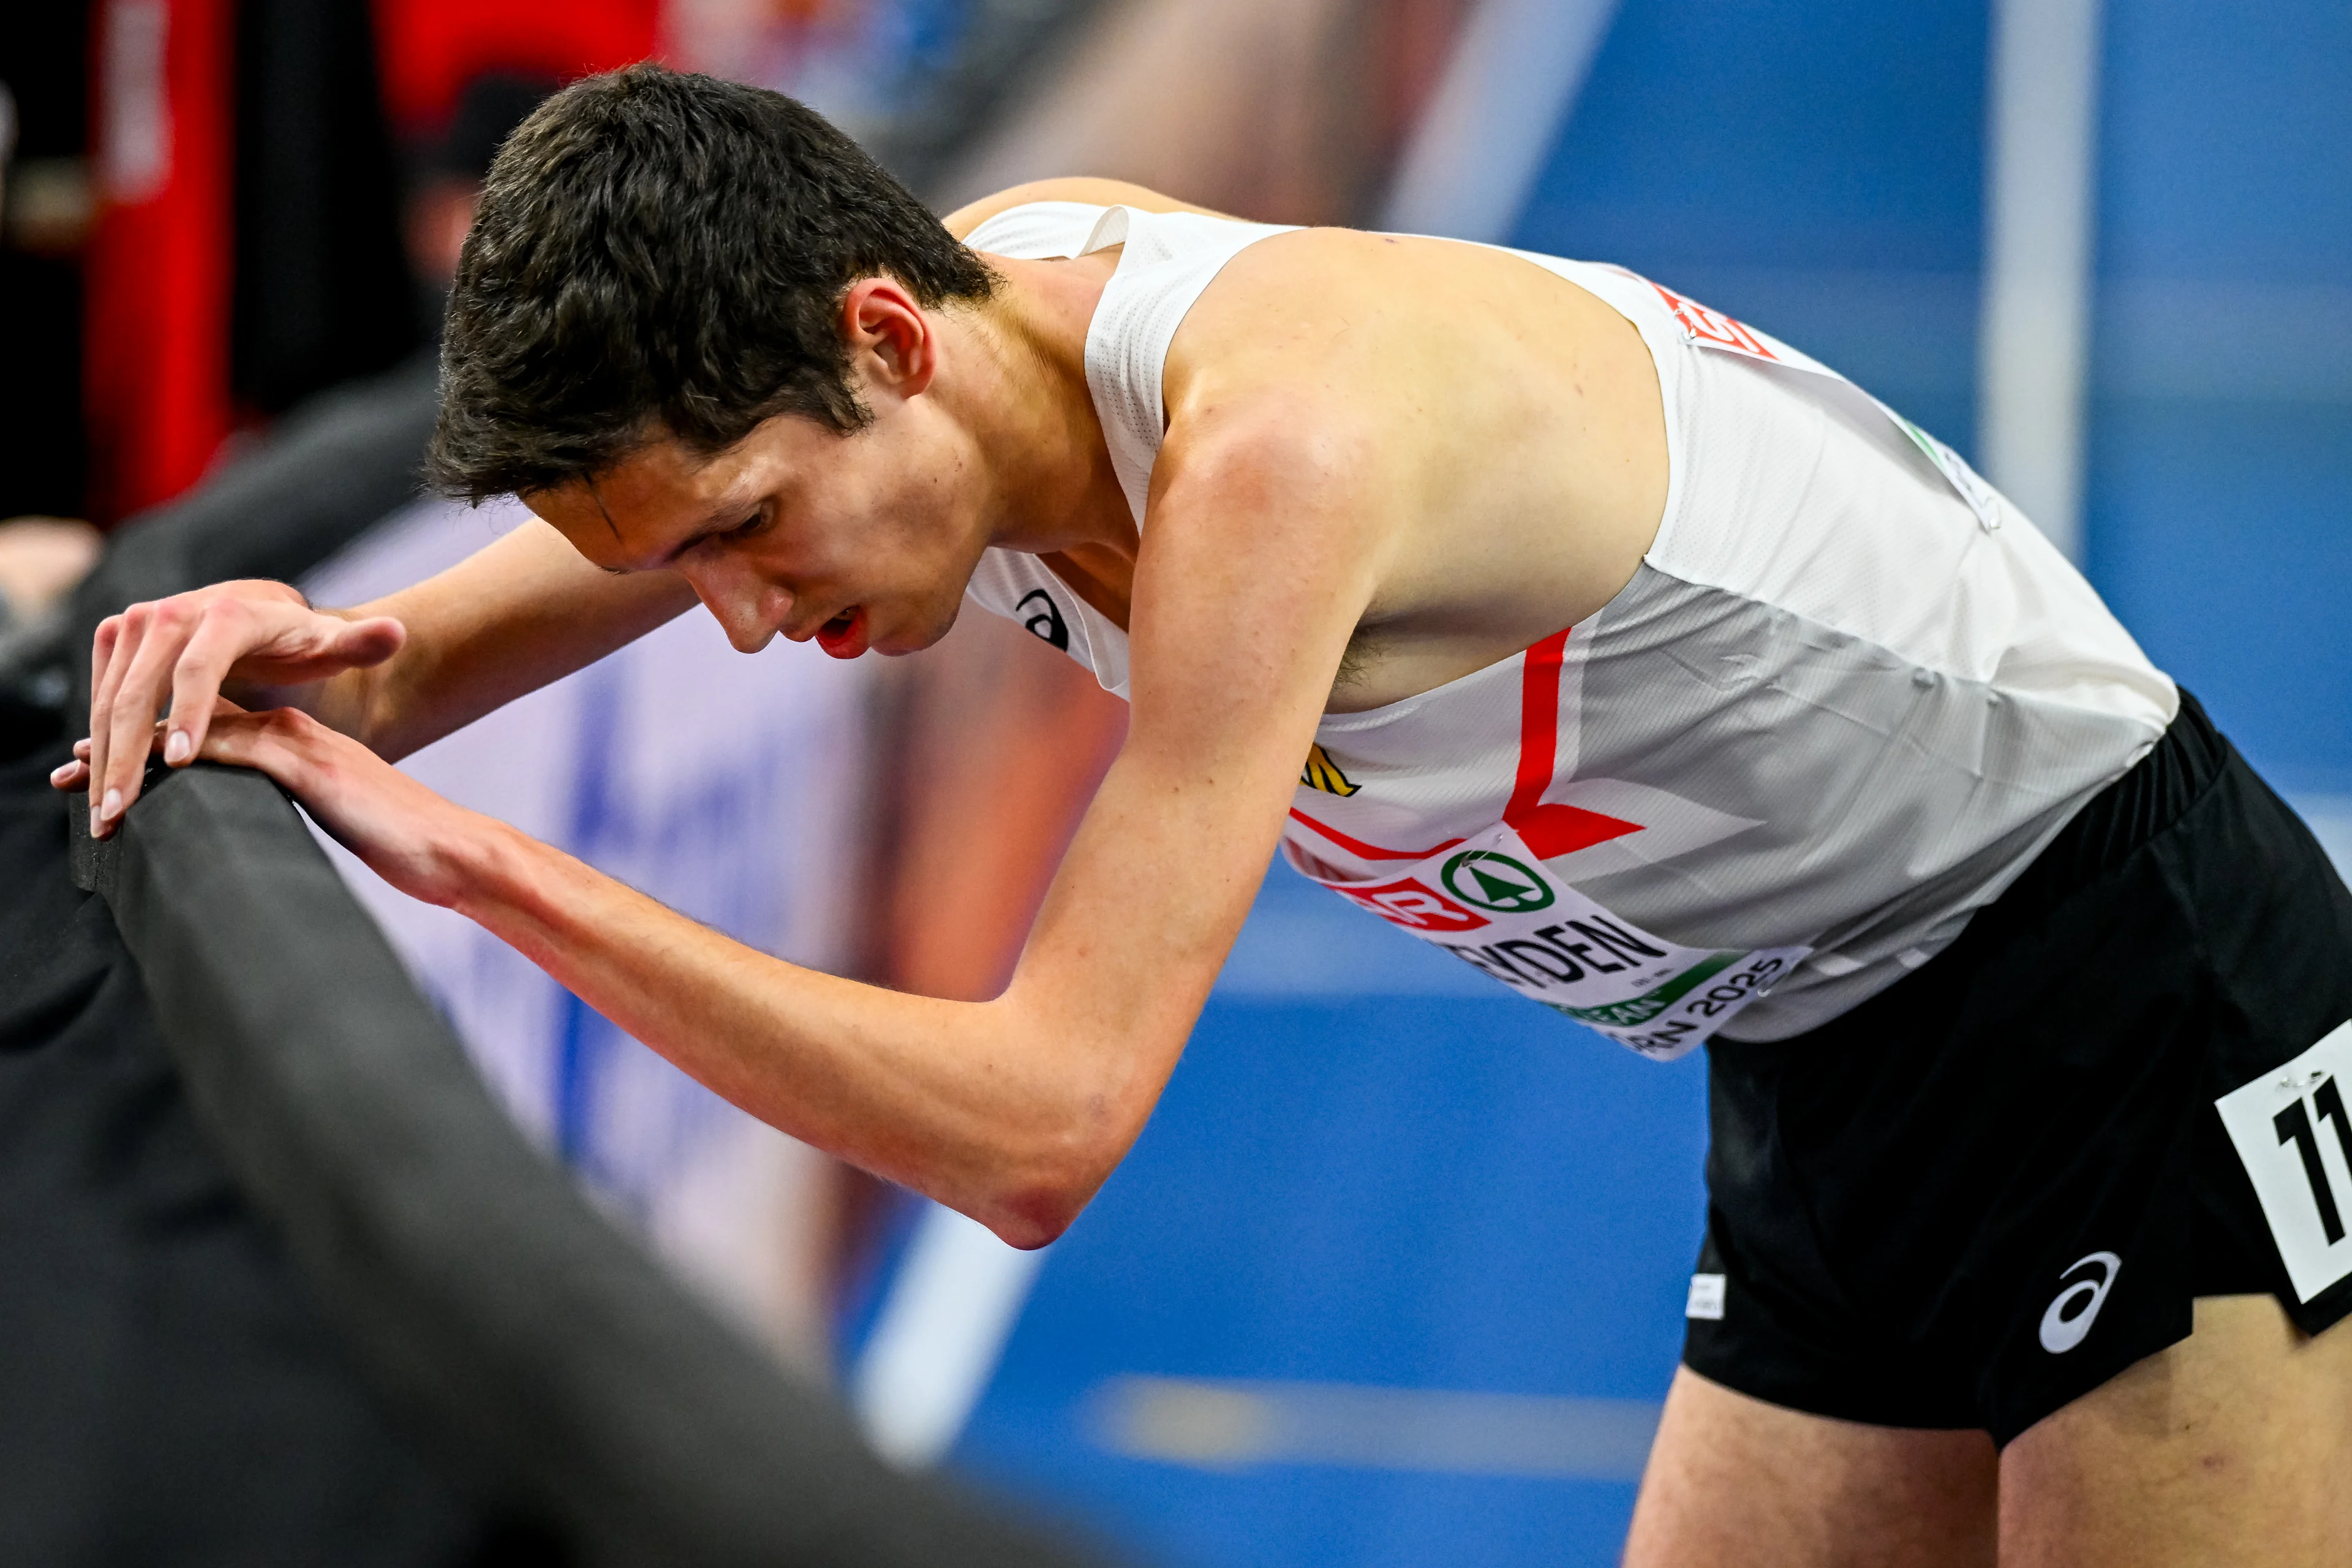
<point x="924" y="631"/>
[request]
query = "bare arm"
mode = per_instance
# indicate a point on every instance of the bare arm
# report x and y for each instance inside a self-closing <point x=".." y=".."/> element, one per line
<point x="1012" y="1110"/>
<point x="395" y="674"/>
<point x="507" y="619"/>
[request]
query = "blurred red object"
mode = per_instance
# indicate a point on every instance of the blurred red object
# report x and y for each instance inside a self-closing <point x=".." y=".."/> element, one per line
<point x="159" y="265"/>
<point x="156" y="327"/>
<point x="430" y="48"/>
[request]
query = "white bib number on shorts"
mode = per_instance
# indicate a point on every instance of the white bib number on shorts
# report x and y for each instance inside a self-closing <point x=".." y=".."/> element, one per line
<point x="2294" y="1133"/>
<point x="1489" y="901"/>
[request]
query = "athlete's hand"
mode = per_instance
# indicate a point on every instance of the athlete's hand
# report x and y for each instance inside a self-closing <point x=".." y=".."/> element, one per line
<point x="401" y="828"/>
<point x="186" y="648"/>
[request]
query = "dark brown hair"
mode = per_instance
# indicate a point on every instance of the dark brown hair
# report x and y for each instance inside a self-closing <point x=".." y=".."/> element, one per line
<point x="663" y="254"/>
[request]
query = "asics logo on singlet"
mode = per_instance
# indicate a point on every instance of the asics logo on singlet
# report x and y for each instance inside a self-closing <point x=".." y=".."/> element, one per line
<point x="1045" y="621"/>
<point x="2082" y="1291"/>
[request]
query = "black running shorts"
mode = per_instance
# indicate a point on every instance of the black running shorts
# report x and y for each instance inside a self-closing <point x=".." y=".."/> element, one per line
<point x="2003" y="1180"/>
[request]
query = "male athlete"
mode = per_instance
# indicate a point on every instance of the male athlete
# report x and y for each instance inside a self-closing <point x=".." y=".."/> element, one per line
<point x="1633" y="657"/>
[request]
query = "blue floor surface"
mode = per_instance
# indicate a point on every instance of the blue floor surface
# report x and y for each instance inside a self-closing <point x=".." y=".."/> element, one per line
<point x="1422" y="1190"/>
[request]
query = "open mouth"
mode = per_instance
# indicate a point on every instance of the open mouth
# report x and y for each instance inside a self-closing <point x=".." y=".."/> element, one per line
<point x="844" y="636"/>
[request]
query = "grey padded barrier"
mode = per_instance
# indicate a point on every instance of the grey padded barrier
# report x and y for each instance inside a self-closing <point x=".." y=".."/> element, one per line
<point x="475" y="1283"/>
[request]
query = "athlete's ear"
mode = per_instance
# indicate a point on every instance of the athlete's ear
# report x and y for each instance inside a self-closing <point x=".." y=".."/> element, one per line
<point x="890" y="337"/>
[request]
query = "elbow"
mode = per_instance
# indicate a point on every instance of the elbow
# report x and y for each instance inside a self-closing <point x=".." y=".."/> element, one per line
<point x="1026" y="1228"/>
<point x="1046" y="1159"/>
<point x="1035" y="1213"/>
<point x="1043" y="1195"/>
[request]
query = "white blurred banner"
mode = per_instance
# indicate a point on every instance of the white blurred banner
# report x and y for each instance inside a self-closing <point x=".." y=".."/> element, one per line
<point x="731" y="789"/>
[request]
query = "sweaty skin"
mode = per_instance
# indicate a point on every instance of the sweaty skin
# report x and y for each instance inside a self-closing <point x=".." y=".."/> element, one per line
<point x="1403" y="459"/>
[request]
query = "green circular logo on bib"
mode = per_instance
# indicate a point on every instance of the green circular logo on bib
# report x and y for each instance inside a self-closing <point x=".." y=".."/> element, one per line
<point x="1495" y="881"/>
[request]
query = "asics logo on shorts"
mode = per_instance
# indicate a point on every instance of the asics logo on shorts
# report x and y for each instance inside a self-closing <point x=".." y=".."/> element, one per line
<point x="2083" y="1291"/>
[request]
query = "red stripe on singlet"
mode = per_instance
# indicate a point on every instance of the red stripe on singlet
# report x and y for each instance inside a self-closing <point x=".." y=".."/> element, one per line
<point x="1547" y="830"/>
<point x="1364" y="851"/>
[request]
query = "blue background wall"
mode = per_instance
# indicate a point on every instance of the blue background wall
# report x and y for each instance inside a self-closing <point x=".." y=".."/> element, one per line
<point x="2220" y="433"/>
<point x="1817" y="170"/>
<point x="1367" y="1179"/>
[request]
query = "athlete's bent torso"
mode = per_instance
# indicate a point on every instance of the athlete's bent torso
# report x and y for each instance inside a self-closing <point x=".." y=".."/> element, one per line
<point x="1847" y="696"/>
<point x="1619" y="649"/>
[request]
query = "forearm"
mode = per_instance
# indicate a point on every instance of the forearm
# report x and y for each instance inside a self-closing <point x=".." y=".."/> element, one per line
<point x="521" y="612"/>
<point x="1003" y="1116"/>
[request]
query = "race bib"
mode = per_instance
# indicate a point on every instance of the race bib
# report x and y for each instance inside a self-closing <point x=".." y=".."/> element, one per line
<point x="2292" y="1130"/>
<point x="1491" y="903"/>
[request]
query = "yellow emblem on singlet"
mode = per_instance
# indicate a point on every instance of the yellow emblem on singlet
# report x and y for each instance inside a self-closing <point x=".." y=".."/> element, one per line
<point x="1321" y="773"/>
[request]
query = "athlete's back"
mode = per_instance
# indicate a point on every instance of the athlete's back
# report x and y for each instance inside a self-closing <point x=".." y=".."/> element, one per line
<point x="1799" y="691"/>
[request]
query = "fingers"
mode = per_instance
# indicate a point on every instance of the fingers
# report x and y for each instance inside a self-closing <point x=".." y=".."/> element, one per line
<point x="75" y="774"/>
<point x="221" y="636"/>
<point x="151" y="642"/>
<point x="114" y="743"/>
<point x="101" y="696"/>
<point x="238" y="748"/>
<point x="279" y="742"/>
<point x="362" y="644"/>
<point x="183" y="648"/>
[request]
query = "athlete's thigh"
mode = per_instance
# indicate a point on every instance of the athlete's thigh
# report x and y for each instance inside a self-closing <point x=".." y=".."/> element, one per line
<point x="1733" y="1481"/>
<point x="2232" y="1447"/>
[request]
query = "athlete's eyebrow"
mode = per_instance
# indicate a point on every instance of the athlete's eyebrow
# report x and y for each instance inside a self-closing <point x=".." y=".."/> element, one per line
<point x="710" y="528"/>
<point x="719" y="521"/>
<point x="724" y="518"/>
<point x="716" y="525"/>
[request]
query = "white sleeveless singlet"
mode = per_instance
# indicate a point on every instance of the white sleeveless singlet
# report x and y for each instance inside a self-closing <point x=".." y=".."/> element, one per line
<point x="1847" y="697"/>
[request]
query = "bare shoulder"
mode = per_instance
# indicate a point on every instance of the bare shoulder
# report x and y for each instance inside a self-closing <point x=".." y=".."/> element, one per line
<point x="1490" y="438"/>
<point x="1352" y="312"/>
<point x="1307" y="315"/>
<point x="1074" y="188"/>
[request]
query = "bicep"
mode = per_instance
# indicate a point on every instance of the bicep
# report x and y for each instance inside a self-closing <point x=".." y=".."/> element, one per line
<point x="515" y="616"/>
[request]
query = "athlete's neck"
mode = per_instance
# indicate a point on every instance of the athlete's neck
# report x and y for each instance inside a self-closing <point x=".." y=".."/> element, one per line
<point x="1020" y="389"/>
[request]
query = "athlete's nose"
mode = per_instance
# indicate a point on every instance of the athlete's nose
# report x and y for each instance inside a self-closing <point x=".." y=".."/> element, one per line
<point x="746" y="605"/>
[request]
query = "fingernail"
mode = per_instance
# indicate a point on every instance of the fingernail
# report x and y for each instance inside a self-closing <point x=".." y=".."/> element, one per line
<point x="110" y="806"/>
<point x="177" y="747"/>
<point x="62" y="772"/>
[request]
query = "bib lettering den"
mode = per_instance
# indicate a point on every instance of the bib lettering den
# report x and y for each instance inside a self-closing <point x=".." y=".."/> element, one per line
<point x="1492" y="904"/>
